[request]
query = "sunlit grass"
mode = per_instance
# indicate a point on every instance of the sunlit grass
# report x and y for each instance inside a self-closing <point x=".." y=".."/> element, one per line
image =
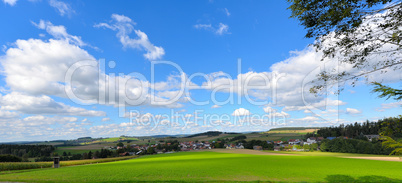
<point x="213" y="166"/>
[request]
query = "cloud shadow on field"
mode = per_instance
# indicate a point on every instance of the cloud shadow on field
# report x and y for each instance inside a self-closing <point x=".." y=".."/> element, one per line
<point x="368" y="179"/>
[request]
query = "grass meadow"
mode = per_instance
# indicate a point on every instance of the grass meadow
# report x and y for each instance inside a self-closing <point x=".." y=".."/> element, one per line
<point x="214" y="166"/>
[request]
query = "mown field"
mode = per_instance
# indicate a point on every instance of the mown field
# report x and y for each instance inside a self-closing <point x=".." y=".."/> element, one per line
<point x="215" y="166"/>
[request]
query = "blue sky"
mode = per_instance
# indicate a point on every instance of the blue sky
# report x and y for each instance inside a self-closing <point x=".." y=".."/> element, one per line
<point x="42" y="39"/>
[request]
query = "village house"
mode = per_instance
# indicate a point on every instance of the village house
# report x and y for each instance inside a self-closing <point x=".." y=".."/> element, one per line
<point x="311" y="140"/>
<point x="371" y="137"/>
<point x="240" y="146"/>
<point x="294" y="141"/>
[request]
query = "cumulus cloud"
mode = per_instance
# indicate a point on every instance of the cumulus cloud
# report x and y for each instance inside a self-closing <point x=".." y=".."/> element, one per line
<point x="62" y="7"/>
<point x="124" y="27"/>
<point x="7" y="114"/>
<point x="38" y="67"/>
<point x="42" y="105"/>
<point x="46" y="120"/>
<point x="352" y="111"/>
<point x="241" y="112"/>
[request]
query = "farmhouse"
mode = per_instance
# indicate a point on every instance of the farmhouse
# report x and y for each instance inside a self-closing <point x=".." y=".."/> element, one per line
<point x="371" y="137"/>
<point x="257" y="147"/>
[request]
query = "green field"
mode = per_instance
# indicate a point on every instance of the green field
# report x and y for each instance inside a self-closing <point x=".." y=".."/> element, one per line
<point x="71" y="149"/>
<point x="214" y="166"/>
<point x="18" y="166"/>
<point x="111" y="139"/>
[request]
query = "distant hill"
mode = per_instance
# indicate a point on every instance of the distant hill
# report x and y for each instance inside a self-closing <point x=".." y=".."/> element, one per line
<point x="293" y="128"/>
<point x="209" y="133"/>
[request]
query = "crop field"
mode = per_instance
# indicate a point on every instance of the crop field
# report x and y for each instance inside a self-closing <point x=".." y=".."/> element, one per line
<point x="109" y="140"/>
<point x="290" y="130"/>
<point x="83" y="148"/>
<point x="216" y="166"/>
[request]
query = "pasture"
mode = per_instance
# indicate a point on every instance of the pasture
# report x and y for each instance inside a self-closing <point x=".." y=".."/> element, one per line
<point x="216" y="166"/>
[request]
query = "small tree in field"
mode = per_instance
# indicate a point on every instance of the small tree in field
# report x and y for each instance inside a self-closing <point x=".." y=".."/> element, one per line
<point x="120" y="144"/>
<point x="306" y="147"/>
<point x="313" y="147"/>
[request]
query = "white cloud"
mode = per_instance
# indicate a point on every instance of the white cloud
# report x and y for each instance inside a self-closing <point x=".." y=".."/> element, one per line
<point x="308" y="118"/>
<point x="279" y="114"/>
<point x="105" y="119"/>
<point x="124" y="27"/>
<point x="318" y="105"/>
<point x="352" y="111"/>
<point x="42" y="105"/>
<point x="241" y="112"/>
<point x="38" y="67"/>
<point x="215" y="106"/>
<point x="222" y="29"/>
<point x="219" y="30"/>
<point x="59" y="32"/>
<point x="45" y="120"/>
<point x="10" y="2"/>
<point x="7" y="114"/>
<point x="269" y="109"/>
<point x="203" y="26"/>
<point x="389" y="106"/>
<point x="227" y="12"/>
<point x="62" y="7"/>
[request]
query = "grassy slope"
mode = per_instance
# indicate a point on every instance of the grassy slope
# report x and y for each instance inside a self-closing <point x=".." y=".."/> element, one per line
<point x="212" y="166"/>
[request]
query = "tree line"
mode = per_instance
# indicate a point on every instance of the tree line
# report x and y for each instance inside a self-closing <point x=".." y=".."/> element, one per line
<point x="27" y="151"/>
<point x="391" y="127"/>
<point x="354" y="146"/>
<point x="356" y="142"/>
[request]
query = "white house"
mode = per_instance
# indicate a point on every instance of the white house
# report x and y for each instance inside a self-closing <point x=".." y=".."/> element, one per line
<point x="311" y="140"/>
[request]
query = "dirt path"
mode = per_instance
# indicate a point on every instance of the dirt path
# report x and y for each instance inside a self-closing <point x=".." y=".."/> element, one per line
<point x="379" y="158"/>
<point x="248" y="151"/>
